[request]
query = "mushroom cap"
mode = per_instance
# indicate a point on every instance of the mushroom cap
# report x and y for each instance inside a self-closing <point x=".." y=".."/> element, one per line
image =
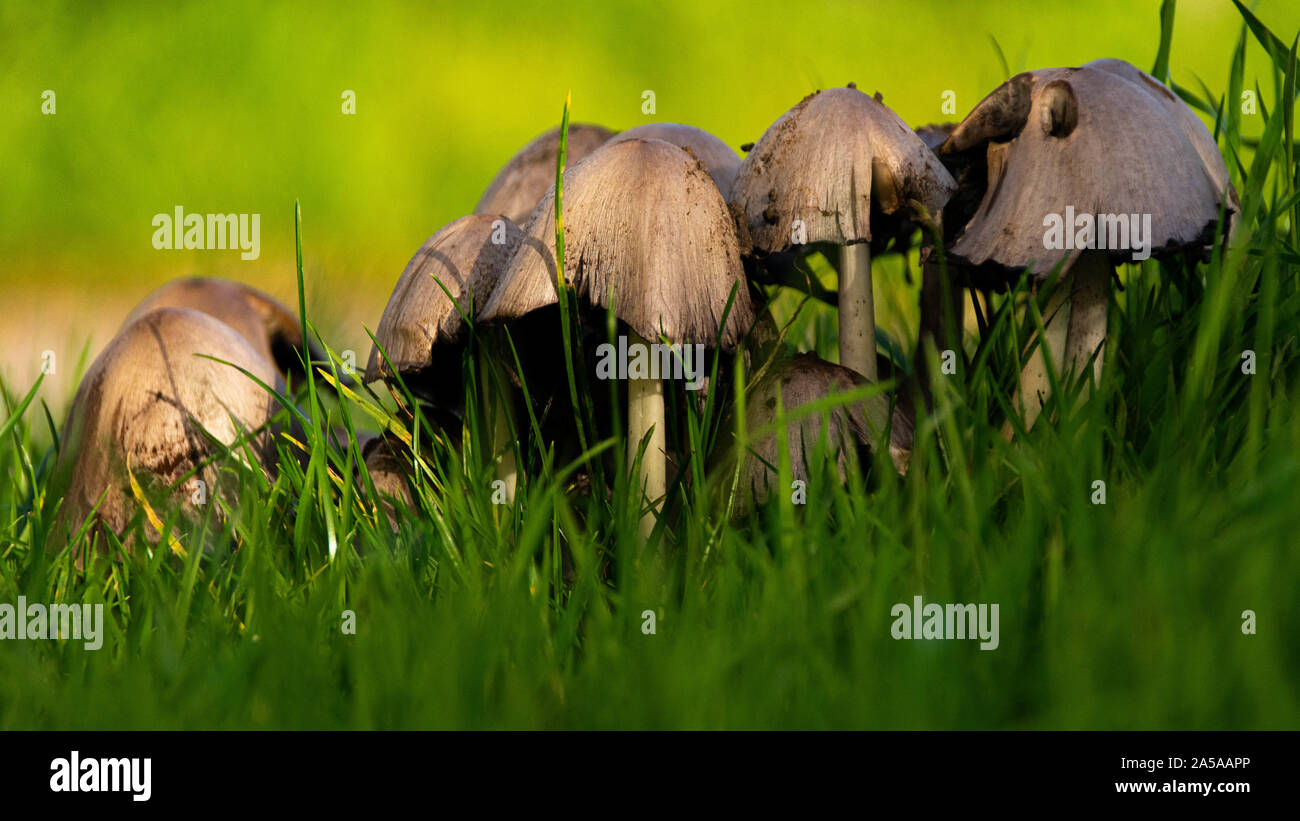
<point x="271" y="328"/>
<point x="828" y="162"/>
<point x="467" y="256"/>
<point x="643" y="220"/>
<point x="718" y="157"/>
<point x="523" y="180"/>
<point x="802" y="380"/>
<point x="142" y="403"/>
<point x="1191" y="125"/>
<point x="1104" y="138"/>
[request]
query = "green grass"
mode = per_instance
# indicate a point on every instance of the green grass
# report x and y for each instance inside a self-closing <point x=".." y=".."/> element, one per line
<point x="1122" y="615"/>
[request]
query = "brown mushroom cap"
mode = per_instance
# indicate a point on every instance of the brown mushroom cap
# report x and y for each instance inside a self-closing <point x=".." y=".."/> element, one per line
<point x="722" y="163"/>
<point x="270" y="327"/>
<point x="828" y="162"/>
<point x="802" y="380"/>
<point x="143" y="402"/>
<point x="466" y="257"/>
<point x="644" y="220"/>
<point x="522" y="181"/>
<point x="1104" y="138"/>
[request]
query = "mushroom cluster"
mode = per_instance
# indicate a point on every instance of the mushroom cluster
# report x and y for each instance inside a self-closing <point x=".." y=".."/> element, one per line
<point x="670" y="239"/>
<point x="664" y="226"/>
<point x="674" y="259"/>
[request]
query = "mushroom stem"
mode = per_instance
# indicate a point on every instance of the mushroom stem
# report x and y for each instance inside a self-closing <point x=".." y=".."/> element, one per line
<point x="1089" y="303"/>
<point x="1035" y="387"/>
<point x="645" y="412"/>
<point x="1076" y="328"/>
<point x="857" y="311"/>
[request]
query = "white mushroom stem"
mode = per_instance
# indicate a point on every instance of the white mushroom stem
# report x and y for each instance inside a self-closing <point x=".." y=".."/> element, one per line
<point x="1075" y="324"/>
<point x="857" y="311"/>
<point x="645" y="412"/>
<point x="1089" y="304"/>
<point x="1035" y="386"/>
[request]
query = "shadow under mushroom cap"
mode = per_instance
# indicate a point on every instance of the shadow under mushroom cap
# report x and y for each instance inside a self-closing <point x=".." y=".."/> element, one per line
<point x="467" y="256"/>
<point x="1103" y="138"/>
<point x="830" y="161"/>
<point x="644" y="221"/>
<point x="143" y="402"/>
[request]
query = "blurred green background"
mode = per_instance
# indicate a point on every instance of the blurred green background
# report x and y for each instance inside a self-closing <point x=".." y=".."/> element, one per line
<point x="236" y="107"/>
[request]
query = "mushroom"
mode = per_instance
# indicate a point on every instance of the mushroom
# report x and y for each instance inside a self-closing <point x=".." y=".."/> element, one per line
<point x="721" y="162"/>
<point x="645" y="226"/>
<point x="460" y="264"/>
<point x="388" y="463"/>
<point x="270" y="327"/>
<point x="791" y="384"/>
<point x="140" y="412"/>
<point x="1104" y="141"/>
<point x="524" y="180"/>
<point x="423" y="327"/>
<point x="818" y="174"/>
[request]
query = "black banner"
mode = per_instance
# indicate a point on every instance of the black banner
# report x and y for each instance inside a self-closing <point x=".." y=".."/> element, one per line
<point x="135" y="772"/>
